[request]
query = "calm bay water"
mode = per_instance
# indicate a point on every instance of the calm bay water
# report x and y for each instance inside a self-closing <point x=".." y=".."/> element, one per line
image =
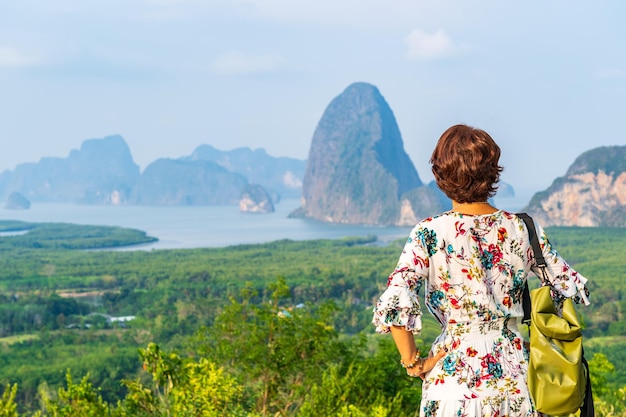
<point x="207" y="226"/>
<point x="195" y="227"/>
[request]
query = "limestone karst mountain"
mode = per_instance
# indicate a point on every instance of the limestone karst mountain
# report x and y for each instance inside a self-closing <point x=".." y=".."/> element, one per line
<point x="173" y="182"/>
<point x="358" y="171"/>
<point x="102" y="171"/>
<point x="255" y="199"/>
<point x="280" y="176"/>
<point x="592" y="192"/>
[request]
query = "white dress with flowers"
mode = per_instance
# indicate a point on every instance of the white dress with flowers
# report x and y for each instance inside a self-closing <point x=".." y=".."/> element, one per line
<point x="474" y="268"/>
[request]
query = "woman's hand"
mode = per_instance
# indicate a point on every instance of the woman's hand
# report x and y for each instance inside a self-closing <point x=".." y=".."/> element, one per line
<point x="414" y="365"/>
<point x="425" y="365"/>
<point x="431" y="361"/>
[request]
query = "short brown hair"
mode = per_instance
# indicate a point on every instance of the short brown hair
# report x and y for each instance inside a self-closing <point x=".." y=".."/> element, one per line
<point x="465" y="164"/>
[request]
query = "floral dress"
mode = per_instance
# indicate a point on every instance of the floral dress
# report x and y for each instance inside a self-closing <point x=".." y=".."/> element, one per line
<point x="474" y="268"/>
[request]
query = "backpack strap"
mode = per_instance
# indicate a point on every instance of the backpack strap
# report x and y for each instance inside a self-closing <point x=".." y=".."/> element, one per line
<point x="534" y="240"/>
<point x="588" y="408"/>
<point x="539" y="260"/>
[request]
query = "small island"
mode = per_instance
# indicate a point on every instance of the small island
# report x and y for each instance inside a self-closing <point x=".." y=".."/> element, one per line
<point x="68" y="236"/>
<point x="17" y="201"/>
<point x="255" y="199"/>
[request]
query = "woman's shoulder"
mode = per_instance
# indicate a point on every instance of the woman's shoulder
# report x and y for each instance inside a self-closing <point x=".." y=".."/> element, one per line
<point x="431" y="221"/>
<point x="452" y="219"/>
<point x="454" y="216"/>
<point x="441" y="221"/>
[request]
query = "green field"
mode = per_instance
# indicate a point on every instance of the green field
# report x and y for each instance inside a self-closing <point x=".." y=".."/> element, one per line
<point x="220" y="313"/>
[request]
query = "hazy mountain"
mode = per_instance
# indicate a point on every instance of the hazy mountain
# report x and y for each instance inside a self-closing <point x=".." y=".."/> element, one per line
<point x="505" y="190"/>
<point x="592" y="192"/>
<point x="358" y="171"/>
<point x="17" y="201"/>
<point x="276" y="174"/>
<point x="175" y="182"/>
<point x="102" y="171"/>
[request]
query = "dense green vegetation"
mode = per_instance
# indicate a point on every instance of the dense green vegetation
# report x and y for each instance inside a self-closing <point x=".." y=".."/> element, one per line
<point x="274" y="329"/>
<point x="608" y="159"/>
<point x="67" y="236"/>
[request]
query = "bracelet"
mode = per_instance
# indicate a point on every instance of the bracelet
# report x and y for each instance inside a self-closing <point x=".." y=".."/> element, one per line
<point x="416" y="362"/>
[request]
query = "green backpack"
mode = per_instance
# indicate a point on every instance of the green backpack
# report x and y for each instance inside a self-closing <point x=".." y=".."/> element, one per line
<point x="558" y="374"/>
<point x="557" y="370"/>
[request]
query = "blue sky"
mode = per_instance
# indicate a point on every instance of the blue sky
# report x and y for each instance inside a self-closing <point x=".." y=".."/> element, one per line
<point x="546" y="78"/>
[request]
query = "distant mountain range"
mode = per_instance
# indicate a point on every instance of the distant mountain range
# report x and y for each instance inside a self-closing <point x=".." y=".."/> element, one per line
<point x="279" y="175"/>
<point x="103" y="171"/>
<point x="357" y="172"/>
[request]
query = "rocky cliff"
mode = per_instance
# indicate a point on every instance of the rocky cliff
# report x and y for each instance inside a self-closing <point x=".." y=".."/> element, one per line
<point x="255" y="199"/>
<point x="358" y="171"/>
<point x="592" y="192"/>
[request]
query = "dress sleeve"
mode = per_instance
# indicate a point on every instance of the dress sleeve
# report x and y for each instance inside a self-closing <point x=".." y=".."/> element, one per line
<point x="562" y="278"/>
<point x="399" y="303"/>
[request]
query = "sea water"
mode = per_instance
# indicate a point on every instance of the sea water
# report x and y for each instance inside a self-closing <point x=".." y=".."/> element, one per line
<point x="200" y="226"/>
<point x="205" y="226"/>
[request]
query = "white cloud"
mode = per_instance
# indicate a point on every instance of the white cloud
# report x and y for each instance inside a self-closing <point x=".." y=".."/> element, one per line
<point x="428" y="46"/>
<point x="237" y="63"/>
<point x="12" y="58"/>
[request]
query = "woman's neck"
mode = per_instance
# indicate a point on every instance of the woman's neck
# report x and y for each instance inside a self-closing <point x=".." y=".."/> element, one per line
<point x="475" y="207"/>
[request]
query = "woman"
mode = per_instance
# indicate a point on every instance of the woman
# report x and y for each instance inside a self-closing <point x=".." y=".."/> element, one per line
<point x="473" y="262"/>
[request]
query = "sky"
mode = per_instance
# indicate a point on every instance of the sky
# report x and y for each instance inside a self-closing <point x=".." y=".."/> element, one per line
<point x="546" y="78"/>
